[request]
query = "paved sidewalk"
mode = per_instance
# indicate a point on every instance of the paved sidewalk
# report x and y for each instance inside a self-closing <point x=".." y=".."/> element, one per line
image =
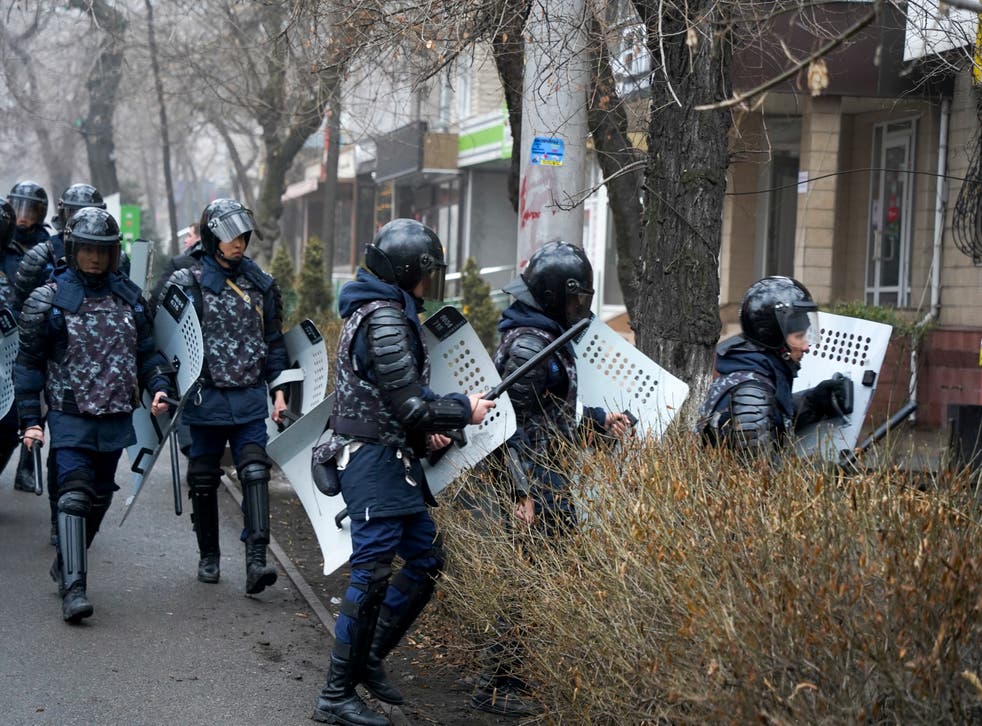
<point x="161" y="647"/>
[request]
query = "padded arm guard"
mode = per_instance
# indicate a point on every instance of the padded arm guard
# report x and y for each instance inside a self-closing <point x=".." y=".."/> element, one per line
<point x="750" y="426"/>
<point x="31" y="365"/>
<point x="33" y="320"/>
<point x="33" y="270"/>
<point x="396" y="374"/>
<point x="528" y="390"/>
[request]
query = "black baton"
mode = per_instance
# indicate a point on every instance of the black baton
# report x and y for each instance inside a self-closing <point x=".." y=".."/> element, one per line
<point x="514" y="377"/>
<point x="38" y="482"/>
<point x="849" y="458"/>
<point x="175" y="461"/>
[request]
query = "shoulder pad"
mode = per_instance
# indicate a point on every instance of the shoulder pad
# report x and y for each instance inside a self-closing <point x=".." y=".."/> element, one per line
<point x="391" y="348"/>
<point x="127" y="289"/>
<point x="183" y="277"/>
<point x="525" y="346"/>
<point x="257" y="275"/>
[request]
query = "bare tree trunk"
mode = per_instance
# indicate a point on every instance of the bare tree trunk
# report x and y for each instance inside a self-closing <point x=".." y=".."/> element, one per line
<point x="332" y="118"/>
<point x="619" y="161"/>
<point x="677" y="320"/>
<point x="241" y="170"/>
<point x="164" y="132"/>
<point x="102" y="84"/>
<point x="508" y="47"/>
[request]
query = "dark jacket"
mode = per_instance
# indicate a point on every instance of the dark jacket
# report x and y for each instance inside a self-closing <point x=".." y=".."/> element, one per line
<point x="227" y="406"/>
<point x="375" y="484"/>
<point x="44" y="338"/>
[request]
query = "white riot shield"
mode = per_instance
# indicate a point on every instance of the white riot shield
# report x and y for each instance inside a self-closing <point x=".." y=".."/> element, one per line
<point x="178" y="336"/>
<point x="616" y="376"/>
<point x="459" y="363"/>
<point x="307" y="378"/>
<point x="9" y="344"/>
<point x="854" y="348"/>
<point x="292" y="451"/>
<point x="141" y="256"/>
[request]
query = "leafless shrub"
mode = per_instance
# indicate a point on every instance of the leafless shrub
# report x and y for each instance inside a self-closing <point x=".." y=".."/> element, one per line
<point x="697" y="590"/>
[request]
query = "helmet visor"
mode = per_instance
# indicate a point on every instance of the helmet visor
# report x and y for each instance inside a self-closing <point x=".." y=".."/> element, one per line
<point x="434" y="284"/>
<point x="579" y="301"/>
<point x="799" y="323"/>
<point x="232" y="224"/>
<point x="95" y="258"/>
<point x="27" y="211"/>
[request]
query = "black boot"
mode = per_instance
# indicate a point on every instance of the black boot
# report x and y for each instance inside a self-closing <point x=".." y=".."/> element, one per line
<point x="339" y="703"/>
<point x="204" y="514"/>
<point x="389" y="631"/>
<point x="24" y="478"/>
<point x="204" y="477"/>
<point x="374" y="677"/>
<point x="73" y="509"/>
<point x="254" y="476"/>
<point x="259" y="575"/>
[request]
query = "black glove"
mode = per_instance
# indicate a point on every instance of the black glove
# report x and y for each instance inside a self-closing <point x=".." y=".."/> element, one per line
<point x="832" y="397"/>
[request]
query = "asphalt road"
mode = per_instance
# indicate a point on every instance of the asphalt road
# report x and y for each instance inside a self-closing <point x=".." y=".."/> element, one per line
<point x="161" y="648"/>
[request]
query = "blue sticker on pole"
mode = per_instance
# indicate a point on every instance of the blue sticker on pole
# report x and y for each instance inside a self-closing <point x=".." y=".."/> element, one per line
<point x="547" y="151"/>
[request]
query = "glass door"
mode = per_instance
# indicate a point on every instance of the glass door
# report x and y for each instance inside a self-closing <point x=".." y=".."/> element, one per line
<point x="891" y="214"/>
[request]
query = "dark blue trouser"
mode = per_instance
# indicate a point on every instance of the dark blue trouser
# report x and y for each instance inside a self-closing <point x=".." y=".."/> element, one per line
<point x="99" y="467"/>
<point x="209" y="441"/>
<point x="379" y="540"/>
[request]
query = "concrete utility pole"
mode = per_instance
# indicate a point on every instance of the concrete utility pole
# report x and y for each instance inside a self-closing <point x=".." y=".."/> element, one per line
<point x="554" y="126"/>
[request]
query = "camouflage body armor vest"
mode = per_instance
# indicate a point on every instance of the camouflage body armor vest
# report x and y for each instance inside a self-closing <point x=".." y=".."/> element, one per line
<point x="232" y="332"/>
<point x="97" y="374"/>
<point x="541" y="422"/>
<point x="359" y="409"/>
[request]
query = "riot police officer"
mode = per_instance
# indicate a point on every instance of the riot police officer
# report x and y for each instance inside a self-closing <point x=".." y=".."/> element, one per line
<point x="38" y="262"/>
<point x="554" y="292"/>
<point x="30" y="204"/>
<point x="240" y="310"/>
<point x="750" y="407"/>
<point x="385" y="418"/>
<point x="35" y="268"/>
<point x="85" y="342"/>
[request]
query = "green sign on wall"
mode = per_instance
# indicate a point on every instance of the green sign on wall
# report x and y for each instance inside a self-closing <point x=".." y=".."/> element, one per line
<point x="129" y="221"/>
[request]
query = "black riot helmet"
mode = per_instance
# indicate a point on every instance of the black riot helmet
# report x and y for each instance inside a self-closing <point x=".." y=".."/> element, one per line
<point x="774" y="308"/>
<point x="8" y="223"/>
<point x="30" y="202"/>
<point x="222" y="221"/>
<point x="91" y="226"/>
<point x="404" y="252"/>
<point x="76" y="197"/>
<point x="558" y="280"/>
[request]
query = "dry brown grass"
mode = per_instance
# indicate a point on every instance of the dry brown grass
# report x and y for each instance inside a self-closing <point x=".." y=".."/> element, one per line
<point x="700" y="591"/>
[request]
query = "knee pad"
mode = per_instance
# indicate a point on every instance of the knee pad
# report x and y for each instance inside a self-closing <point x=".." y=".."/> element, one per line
<point x="253" y="454"/>
<point x="75" y="502"/>
<point x="377" y="575"/>
<point x="78" y="481"/>
<point x="204" y="474"/>
<point x="253" y="474"/>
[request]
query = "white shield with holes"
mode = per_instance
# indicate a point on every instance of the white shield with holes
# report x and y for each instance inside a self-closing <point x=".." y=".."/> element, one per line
<point x="307" y="376"/>
<point x="616" y="376"/>
<point x="178" y="335"/>
<point x="855" y="348"/>
<point x="292" y="451"/>
<point x="9" y="345"/>
<point x="460" y="364"/>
